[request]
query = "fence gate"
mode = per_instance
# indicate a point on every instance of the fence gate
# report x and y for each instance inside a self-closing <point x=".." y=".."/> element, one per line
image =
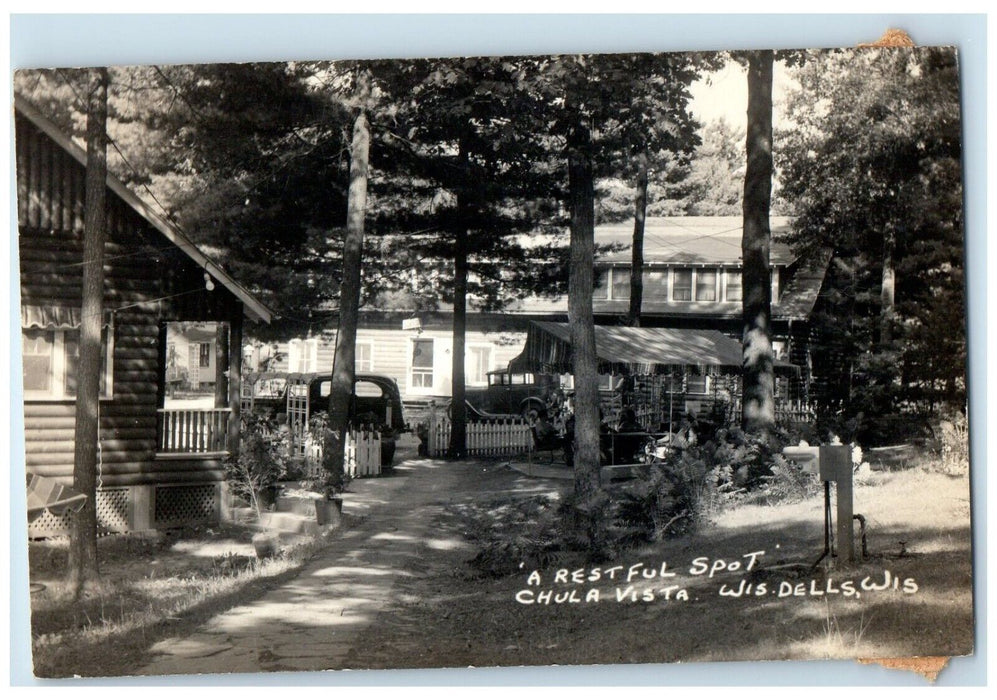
<point x="297" y="415"/>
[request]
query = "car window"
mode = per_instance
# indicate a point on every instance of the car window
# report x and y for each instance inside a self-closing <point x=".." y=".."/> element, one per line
<point x="367" y="389"/>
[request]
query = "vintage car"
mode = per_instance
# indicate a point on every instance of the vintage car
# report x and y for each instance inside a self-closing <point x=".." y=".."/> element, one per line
<point x="376" y="401"/>
<point x="510" y="393"/>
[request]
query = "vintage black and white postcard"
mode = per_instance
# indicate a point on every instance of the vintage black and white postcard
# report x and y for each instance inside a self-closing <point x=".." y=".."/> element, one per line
<point x="494" y="361"/>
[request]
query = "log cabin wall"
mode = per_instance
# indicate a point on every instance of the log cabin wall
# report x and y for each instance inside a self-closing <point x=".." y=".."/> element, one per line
<point x="148" y="280"/>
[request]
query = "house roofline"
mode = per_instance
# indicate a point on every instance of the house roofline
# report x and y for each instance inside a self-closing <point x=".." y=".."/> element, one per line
<point x="256" y="309"/>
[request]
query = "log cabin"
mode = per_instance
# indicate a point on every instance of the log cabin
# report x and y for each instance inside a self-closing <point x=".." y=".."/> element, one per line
<point x="158" y="467"/>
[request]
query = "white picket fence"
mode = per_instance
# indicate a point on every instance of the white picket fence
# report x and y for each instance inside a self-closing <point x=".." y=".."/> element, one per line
<point x="362" y="455"/>
<point x="489" y="437"/>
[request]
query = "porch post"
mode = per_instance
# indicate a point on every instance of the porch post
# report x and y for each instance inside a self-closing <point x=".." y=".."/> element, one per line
<point x="235" y="380"/>
<point x="221" y="366"/>
<point x="161" y="361"/>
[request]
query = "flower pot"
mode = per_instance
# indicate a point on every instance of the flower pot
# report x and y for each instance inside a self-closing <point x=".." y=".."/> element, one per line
<point x="329" y="511"/>
<point x="266" y="544"/>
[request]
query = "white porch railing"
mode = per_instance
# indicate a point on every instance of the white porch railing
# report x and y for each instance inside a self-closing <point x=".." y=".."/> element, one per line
<point x="192" y="431"/>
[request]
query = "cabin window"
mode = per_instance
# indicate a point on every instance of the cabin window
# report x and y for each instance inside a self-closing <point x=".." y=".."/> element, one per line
<point x="477" y="362"/>
<point x="422" y="364"/>
<point x="51" y="361"/>
<point x="706" y="285"/>
<point x="682" y="285"/>
<point x="364" y="360"/>
<point x="733" y="292"/>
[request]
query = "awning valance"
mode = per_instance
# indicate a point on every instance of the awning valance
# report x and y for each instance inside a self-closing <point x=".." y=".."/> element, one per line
<point x="635" y="351"/>
<point x="55" y="318"/>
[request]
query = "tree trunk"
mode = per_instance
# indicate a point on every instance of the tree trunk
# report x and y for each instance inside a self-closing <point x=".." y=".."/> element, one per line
<point x="888" y="289"/>
<point x="341" y="392"/>
<point x="458" y="430"/>
<point x="758" y="404"/>
<point x="637" y="258"/>
<point x="581" y="196"/>
<point x="83" y="529"/>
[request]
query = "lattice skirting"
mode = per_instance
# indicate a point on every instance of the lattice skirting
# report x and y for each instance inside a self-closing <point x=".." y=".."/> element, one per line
<point x="114" y="514"/>
<point x="186" y="504"/>
<point x="131" y="508"/>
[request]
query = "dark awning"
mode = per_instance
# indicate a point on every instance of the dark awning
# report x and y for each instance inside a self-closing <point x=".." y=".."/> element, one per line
<point x="629" y="350"/>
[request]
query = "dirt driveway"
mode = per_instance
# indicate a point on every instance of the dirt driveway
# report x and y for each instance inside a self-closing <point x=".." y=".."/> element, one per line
<point x="312" y="623"/>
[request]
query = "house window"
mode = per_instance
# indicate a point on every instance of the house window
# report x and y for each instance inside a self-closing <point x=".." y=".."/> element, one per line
<point x="51" y="360"/>
<point x="422" y="364"/>
<point x="477" y="362"/>
<point x="204" y="355"/>
<point x="606" y="382"/>
<point x="779" y="349"/>
<point x="656" y="284"/>
<point x="682" y="285"/>
<point x="733" y="286"/>
<point x="600" y="289"/>
<point x="302" y="355"/>
<point x="621" y="283"/>
<point x="706" y="285"/>
<point x="697" y="384"/>
<point x="364" y="360"/>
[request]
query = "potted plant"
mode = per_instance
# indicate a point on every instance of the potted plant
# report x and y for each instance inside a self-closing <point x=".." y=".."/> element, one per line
<point x="328" y="507"/>
<point x="253" y="474"/>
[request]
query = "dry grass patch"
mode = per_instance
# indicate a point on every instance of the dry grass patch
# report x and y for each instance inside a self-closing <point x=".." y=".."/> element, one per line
<point x="150" y="587"/>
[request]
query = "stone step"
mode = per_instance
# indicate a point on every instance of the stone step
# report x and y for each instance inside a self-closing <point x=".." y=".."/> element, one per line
<point x="290" y="523"/>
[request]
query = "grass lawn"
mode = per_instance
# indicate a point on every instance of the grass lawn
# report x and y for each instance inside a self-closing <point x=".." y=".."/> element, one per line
<point x="918" y="530"/>
<point x="447" y="614"/>
<point x="151" y="587"/>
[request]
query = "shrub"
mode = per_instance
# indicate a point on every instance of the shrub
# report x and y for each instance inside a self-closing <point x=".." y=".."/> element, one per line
<point x="262" y="460"/>
<point x="954" y="437"/>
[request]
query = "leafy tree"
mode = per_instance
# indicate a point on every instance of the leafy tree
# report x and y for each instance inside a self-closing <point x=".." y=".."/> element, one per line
<point x="871" y="167"/>
<point x="464" y="163"/>
<point x="716" y="173"/>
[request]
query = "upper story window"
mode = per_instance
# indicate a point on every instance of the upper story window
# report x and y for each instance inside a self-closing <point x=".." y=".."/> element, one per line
<point x="733" y="287"/>
<point x="621" y="283"/>
<point x="600" y="289"/>
<point x="682" y="285"/>
<point x="706" y="285"/>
